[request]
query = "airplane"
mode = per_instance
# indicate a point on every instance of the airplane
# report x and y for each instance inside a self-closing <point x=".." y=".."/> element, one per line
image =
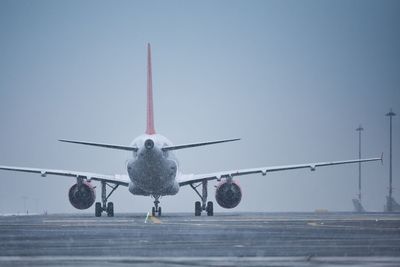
<point x="153" y="170"/>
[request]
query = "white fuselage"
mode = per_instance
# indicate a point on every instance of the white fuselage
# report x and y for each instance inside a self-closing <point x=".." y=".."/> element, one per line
<point x="151" y="170"/>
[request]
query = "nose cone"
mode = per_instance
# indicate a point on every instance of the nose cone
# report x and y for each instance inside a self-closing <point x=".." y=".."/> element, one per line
<point x="149" y="144"/>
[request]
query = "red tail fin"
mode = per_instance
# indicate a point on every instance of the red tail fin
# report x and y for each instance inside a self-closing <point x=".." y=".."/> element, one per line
<point x="150" y="116"/>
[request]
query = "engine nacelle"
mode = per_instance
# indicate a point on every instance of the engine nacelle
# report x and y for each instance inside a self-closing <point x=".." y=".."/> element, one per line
<point x="228" y="194"/>
<point x="82" y="196"/>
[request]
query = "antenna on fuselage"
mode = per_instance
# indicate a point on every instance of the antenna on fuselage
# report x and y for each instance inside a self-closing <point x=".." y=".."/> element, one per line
<point x="150" y="115"/>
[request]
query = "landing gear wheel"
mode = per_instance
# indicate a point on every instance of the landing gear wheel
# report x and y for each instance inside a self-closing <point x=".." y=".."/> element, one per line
<point x="210" y="208"/>
<point x="197" y="208"/>
<point x="110" y="209"/>
<point x="156" y="211"/>
<point x="203" y="205"/>
<point x="103" y="205"/>
<point x="98" y="209"/>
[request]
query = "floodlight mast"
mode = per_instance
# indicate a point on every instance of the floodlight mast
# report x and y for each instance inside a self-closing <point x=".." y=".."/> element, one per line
<point x="359" y="130"/>
<point x="390" y="199"/>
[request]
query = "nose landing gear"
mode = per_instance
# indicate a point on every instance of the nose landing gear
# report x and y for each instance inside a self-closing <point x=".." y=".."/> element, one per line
<point x="156" y="210"/>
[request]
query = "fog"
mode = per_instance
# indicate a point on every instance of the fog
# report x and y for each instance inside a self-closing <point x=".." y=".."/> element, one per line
<point x="293" y="79"/>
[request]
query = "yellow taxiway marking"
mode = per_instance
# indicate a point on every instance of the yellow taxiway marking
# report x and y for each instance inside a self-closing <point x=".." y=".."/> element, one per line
<point x="152" y="219"/>
<point x="155" y="220"/>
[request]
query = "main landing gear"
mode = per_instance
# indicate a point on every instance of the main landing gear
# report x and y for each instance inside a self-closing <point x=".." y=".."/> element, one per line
<point x="104" y="206"/>
<point x="203" y="205"/>
<point x="156" y="209"/>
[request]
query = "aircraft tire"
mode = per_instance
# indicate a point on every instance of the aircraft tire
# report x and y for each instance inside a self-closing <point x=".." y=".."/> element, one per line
<point x="210" y="208"/>
<point x="197" y="208"/>
<point x="98" y="209"/>
<point x="110" y="209"/>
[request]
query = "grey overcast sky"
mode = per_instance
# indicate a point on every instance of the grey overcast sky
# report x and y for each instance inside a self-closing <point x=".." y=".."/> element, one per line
<point x="293" y="79"/>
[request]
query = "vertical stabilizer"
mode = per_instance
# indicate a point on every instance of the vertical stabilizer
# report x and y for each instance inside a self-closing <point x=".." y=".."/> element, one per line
<point x="150" y="115"/>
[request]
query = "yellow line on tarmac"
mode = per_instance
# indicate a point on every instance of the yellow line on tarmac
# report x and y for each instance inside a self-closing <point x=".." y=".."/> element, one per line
<point x="155" y="220"/>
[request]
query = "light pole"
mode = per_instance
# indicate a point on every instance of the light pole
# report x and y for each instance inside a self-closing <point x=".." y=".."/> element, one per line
<point x="359" y="130"/>
<point x="357" y="201"/>
<point x="389" y="203"/>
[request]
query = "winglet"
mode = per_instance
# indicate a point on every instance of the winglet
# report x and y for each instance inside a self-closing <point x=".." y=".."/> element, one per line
<point x="150" y="116"/>
<point x="382" y="158"/>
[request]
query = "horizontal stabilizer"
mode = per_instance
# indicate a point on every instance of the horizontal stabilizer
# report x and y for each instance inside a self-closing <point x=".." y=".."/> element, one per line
<point x="198" y="144"/>
<point x="129" y="148"/>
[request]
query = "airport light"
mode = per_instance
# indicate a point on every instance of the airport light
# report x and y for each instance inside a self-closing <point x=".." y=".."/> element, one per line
<point x="389" y="204"/>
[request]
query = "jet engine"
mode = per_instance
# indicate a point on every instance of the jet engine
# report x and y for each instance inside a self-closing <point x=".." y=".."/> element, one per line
<point x="228" y="194"/>
<point x="82" y="195"/>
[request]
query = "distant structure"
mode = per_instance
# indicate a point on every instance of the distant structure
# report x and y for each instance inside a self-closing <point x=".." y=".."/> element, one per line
<point x="24" y="198"/>
<point x="357" y="202"/>
<point x="391" y="204"/>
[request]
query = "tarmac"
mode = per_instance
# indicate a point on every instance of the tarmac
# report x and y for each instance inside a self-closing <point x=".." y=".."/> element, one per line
<point x="181" y="239"/>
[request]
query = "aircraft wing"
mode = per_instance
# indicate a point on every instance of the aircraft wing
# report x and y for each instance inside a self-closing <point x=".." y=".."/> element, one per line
<point x="186" y="179"/>
<point x="114" y="179"/>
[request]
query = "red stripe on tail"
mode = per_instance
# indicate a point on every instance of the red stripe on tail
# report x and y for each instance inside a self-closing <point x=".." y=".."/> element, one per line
<point x="150" y="115"/>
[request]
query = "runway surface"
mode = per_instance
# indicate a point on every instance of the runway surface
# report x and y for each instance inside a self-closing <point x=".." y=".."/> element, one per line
<point x="242" y="239"/>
